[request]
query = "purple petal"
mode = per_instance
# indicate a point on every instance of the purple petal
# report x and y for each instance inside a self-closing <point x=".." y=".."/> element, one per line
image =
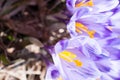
<point x="104" y="65"/>
<point x="114" y="53"/>
<point x="52" y="73"/>
<point x="105" y="5"/>
<point x="60" y="46"/>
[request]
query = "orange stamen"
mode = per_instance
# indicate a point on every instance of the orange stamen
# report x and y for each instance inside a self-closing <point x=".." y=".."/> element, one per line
<point x="91" y="33"/>
<point x="83" y="3"/>
<point x="80" y="27"/>
<point x="89" y="3"/>
<point x="78" y="63"/>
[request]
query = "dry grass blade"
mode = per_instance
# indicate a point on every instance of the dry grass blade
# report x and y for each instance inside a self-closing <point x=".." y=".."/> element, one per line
<point x="21" y="70"/>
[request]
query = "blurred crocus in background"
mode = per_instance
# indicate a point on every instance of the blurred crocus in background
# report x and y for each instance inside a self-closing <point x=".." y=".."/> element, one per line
<point x="93" y="51"/>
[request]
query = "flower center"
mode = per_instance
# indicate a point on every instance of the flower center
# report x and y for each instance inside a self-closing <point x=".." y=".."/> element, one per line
<point x="80" y="27"/>
<point x="70" y="57"/>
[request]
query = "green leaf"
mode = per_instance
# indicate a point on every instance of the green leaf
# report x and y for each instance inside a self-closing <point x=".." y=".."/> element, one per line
<point x="4" y="59"/>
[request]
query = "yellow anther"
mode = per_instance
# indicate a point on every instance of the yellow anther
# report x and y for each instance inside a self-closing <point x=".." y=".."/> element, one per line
<point x="78" y="63"/>
<point x="80" y="27"/>
<point x="83" y="3"/>
<point x="89" y="3"/>
<point x="68" y="59"/>
<point x="68" y="56"/>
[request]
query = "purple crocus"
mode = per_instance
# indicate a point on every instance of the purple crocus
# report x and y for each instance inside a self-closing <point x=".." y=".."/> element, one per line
<point x="70" y="60"/>
<point x="93" y="51"/>
<point x="82" y="58"/>
<point x="95" y="22"/>
<point x="94" y="5"/>
<point x="84" y="22"/>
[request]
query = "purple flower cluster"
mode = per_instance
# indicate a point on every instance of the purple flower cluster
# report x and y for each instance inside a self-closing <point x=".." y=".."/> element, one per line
<point x="93" y="51"/>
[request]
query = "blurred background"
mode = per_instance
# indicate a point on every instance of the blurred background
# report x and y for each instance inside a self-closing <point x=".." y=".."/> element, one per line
<point x="28" y="28"/>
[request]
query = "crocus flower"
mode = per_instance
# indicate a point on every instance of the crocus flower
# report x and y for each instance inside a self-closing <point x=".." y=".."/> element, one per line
<point x="71" y="61"/>
<point x="94" y="24"/>
<point x="94" y="5"/>
<point x="84" y="23"/>
<point x="82" y="58"/>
